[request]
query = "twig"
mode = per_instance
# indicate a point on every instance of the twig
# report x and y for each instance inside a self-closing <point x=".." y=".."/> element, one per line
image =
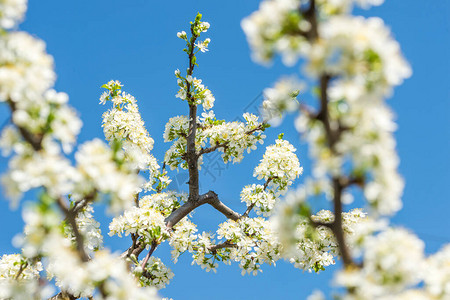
<point x="79" y="239"/>
<point x="150" y="252"/>
<point x="250" y="207"/>
<point x="33" y="139"/>
<point x="224" y="144"/>
<point x="21" y="269"/>
<point x="226" y="244"/>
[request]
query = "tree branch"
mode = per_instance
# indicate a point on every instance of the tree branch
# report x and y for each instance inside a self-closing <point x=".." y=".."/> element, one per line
<point x="226" y="244"/>
<point x="21" y="269"/>
<point x="79" y="239"/>
<point x="224" y="144"/>
<point x="63" y="296"/>
<point x="337" y="224"/>
<point x="150" y="252"/>
<point x="250" y="207"/>
<point x="210" y="198"/>
<point x="332" y="137"/>
<point x="33" y="139"/>
<point x="191" y="155"/>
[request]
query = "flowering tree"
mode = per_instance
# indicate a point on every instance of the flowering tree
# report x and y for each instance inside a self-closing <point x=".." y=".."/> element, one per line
<point x="355" y="63"/>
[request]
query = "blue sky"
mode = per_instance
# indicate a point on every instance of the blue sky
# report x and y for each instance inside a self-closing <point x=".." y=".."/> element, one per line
<point x="135" y="42"/>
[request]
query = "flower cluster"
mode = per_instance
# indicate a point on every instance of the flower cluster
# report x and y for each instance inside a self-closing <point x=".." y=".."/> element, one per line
<point x="311" y="247"/>
<point x="183" y="238"/>
<point x="146" y="223"/>
<point x="19" y="278"/>
<point x="12" y="12"/>
<point x="279" y="166"/>
<point x="231" y="138"/>
<point x="254" y="243"/>
<point x="360" y="51"/>
<point x="164" y="202"/>
<point x="14" y="266"/>
<point x="104" y="169"/>
<point x="29" y="169"/>
<point x="202" y="255"/>
<point x="437" y="274"/>
<point x="281" y="98"/>
<point x="257" y="196"/>
<point x="392" y="262"/>
<point x="104" y="269"/>
<point x="43" y="238"/>
<point x="193" y="90"/>
<point x="273" y="29"/>
<point x="26" y="78"/>
<point x="156" y="273"/>
<point x="124" y="123"/>
<point x="89" y="228"/>
<point x="316" y="248"/>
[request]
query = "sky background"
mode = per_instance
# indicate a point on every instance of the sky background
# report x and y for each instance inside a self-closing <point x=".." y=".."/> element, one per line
<point x="135" y="42"/>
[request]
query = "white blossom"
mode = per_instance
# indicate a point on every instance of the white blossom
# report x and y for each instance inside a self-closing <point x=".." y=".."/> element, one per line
<point x="281" y="98"/>
<point x="437" y="274"/>
<point x="12" y="12"/>
<point x="393" y="261"/>
<point x="279" y="165"/>
<point x="100" y="168"/>
<point x="156" y="273"/>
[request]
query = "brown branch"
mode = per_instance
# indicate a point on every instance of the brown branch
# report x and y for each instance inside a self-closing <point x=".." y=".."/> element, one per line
<point x="332" y="137"/>
<point x="71" y="219"/>
<point x="191" y="155"/>
<point x="260" y="127"/>
<point x="135" y="249"/>
<point x="316" y="224"/>
<point x="337" y="224"/>
<point x="250" y="207"/>
<point x="310" y="15"/>
<point x="35" y="140"/>
<point x="150" y="252"/>
<point x="212" y="148"/>
<point x="80" y="205"/>
<point x="63" y="296"/>
<point x="21" y="269"/>
<point x="210" y="198"/>
<point x="226" y="244"/>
